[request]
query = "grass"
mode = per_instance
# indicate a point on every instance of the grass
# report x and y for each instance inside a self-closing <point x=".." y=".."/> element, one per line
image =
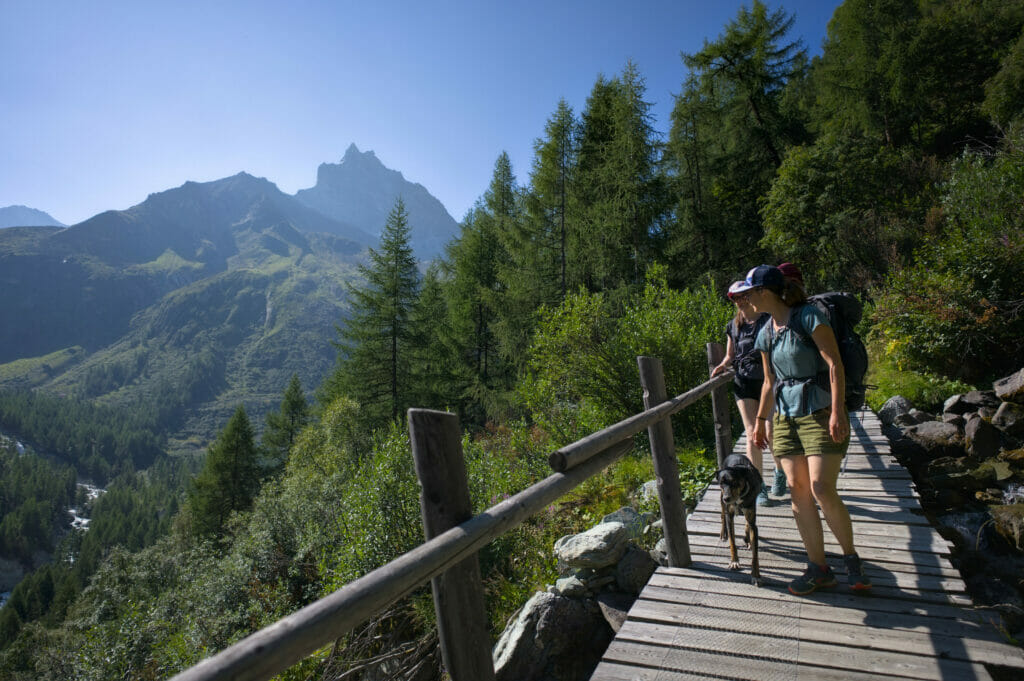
<point x="32" y="371"/>
<point x="925" y="391"/>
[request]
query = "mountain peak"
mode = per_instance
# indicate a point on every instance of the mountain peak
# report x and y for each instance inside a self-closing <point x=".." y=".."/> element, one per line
<point x="23" y="216"/>
<point x="362" y="158"/>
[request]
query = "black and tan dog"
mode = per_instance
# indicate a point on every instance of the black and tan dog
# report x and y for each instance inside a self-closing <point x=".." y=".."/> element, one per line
<point x="740" y="483"/>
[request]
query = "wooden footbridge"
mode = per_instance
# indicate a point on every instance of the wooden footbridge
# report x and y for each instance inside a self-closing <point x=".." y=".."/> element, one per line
<point x="707" y="622"/>
<point x="695" y="619"/>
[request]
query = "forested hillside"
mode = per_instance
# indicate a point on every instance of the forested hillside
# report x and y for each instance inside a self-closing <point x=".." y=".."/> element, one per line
<point x="891" y="165"/>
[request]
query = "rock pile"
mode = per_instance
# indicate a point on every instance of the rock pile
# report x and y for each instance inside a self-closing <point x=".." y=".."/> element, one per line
<point x="561" y="634"/>
<point x="968" y="463"/>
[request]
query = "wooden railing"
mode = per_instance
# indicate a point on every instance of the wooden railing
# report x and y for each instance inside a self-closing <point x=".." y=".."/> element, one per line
<point x="448" y="557"/>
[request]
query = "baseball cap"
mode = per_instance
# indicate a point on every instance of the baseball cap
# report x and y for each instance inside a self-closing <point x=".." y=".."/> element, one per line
<point x="791" y="271"/>
<point x="762" y="275"/>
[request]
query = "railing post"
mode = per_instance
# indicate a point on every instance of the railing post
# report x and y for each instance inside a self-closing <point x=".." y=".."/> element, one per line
<point x="720" y="407"/>
<point x="666" y="467"/>
<point x="444" y="502"/>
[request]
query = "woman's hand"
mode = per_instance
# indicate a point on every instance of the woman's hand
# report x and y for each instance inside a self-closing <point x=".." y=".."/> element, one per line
<point x="761" y="434"/>
<point x="838" y="425"/>
<point x="724" y="366"/>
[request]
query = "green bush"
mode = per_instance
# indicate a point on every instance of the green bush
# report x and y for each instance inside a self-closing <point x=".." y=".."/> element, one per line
<point x="582" y="371"/>
<point x="958" y="310"/>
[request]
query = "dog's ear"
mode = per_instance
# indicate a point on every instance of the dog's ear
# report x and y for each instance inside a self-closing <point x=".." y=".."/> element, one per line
<point x="718" y="474"/>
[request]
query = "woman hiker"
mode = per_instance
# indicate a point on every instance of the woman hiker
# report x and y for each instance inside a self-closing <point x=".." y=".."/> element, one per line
<point x="740" y="355"/>
<point x="811" y="429"/>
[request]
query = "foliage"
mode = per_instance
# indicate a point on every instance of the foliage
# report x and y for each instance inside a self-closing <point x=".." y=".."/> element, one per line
<point x="100" y="442"/>
<point x="34" y="496"/>
<point x="958" y="309"/>
<point x="926" y="391"/>
<point x="376" y="342"/>
<point x="284" y="425"/>
<point x="583" y="373"/>
<point x="229" y="480"/>
<point x="731" y="126"/>
<point x="847" y="208"/>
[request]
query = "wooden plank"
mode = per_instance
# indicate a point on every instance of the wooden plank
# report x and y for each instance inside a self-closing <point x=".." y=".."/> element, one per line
<point x="856" y="613"/>
<point x="786" y="528"/>
<point x="743" y="588"/>
<point x="873" y="634"/>
<point x="670" y="664"/>
<point x="905" y="589"/>
<point x="929" y="543"/>
<point x="878" y="662"/>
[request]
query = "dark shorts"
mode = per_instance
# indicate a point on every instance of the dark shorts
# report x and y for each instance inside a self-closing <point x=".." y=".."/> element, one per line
<point x="806" y="435"/>
<point x="747" y="388"/>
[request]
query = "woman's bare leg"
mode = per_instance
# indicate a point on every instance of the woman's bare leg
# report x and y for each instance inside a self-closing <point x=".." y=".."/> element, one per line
<point x="824" y="472"/>
<point x="748" y="412"/>
<point x="805" y="510"/>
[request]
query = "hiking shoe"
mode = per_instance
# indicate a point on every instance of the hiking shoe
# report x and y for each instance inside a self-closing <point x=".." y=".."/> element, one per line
<point x="762" y="497"/>
<point x="855" y="573"/>
<point x="779" y="483"/>
<point x="813" y="578"/>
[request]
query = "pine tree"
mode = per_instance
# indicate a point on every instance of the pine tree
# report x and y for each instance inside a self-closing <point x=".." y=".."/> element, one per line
<point x="375" y="346"/>
<point x="621" y="192"/>
<point x="229" y="480"/>
<point x="731" y="127"/>
<point x="284" y="425"/>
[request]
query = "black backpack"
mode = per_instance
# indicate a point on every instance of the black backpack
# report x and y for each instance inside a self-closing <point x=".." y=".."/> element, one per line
<point x="843" y="311"/>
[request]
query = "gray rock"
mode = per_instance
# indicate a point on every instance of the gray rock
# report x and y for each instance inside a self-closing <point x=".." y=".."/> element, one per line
<point x="982" y="438"/>
<point x="956" y="405"/>
<point x="648" y="491"/>
<point x="1011" y="388"/>
<point x="937" y="439"/>
<point x="981" y="398"/>
<point x="628" y="516"/>
<point x="600" y="546"/>
<point x="552" y="638"/>
<point x="660" y="553"/>
<point x="893" y="407"/>
<point x="571" y="587"/>
<point x="1009" y="418"/>
<point x="986" y="412"/>
<point x="634" y="570"/>
<point x="956" y="419"/>
<point x="615" y="607"/>
<point x="922" y="416"/>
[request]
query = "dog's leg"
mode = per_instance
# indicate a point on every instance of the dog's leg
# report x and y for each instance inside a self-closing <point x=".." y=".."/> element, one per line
<point x="750" y="515"/>
<point x="734" y="562"/>
<point x="724" y="535"/>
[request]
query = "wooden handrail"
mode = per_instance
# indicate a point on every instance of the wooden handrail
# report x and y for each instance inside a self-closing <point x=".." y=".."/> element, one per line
<point x="291" y="639"/>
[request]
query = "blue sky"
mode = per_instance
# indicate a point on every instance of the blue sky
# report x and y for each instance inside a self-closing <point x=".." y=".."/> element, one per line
<point x="107" y="101"/>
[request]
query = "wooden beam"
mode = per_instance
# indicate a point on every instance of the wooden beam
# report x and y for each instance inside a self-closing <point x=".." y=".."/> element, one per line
<point x="444" y="502"/>
<point x="666" y="466"/>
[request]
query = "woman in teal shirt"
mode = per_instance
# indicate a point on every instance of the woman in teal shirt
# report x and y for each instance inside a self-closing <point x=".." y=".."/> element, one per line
<point x="811" y="429"/>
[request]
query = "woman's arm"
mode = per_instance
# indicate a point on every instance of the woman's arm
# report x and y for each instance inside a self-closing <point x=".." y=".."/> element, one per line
<point x="766" y="405"/>
<point x="839" y="422"/>
<point x="730" y="353"/>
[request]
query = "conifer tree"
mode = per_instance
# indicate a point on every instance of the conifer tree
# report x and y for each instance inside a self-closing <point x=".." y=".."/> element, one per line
<point x="229" y="480"/>
<point x="621" y="191"/>
<point x="375" y="346"/>
<point x="284" y="425"/>
<point x="731" y="127"/>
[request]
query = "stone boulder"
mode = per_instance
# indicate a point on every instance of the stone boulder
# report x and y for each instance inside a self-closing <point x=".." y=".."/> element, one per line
<point x="955" y="419"/>
<point x="970" y="401"/>
<point x="937" y="439"/>
<point x="634" y="570"/>
<point x="598" y="547"/>
<point x="552" y="638"/>
<point x="1009" y="418"/>
<point x="615" y="607"/>
<point x="1009" y="523"/>
<point x="893" y="407"/>
<point x="627" y="515"/>
<point x="1011" y="388"/>
<point x="982" y="438"/>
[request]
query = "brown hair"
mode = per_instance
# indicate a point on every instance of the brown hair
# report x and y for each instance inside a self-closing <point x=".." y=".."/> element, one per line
<point x="793" y="293"/>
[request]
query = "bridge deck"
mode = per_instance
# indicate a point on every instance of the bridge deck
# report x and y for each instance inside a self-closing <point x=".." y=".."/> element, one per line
<point x="708" y="622"/>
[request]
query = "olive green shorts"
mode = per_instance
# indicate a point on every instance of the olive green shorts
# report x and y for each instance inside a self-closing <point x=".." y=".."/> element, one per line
<point x="805" y="435"/>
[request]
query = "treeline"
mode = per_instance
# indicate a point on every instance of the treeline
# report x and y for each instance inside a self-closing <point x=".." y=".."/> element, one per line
<point x="99" y="442"/>
<point x="35" y="495"/>
<point x="884" y="166"/>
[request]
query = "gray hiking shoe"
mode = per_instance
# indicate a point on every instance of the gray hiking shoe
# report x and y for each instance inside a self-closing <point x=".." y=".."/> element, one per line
<point x="779" y="483"/>
<point x="855" y="573"/>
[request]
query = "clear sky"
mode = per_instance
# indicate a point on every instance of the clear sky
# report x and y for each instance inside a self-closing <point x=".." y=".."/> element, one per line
<point x="106" y="101"/>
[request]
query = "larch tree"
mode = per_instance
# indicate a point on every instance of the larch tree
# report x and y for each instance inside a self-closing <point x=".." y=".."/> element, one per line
<point x="284" y="425"/>
<point x="229" y="480"/>
<point x="375" y="342"/>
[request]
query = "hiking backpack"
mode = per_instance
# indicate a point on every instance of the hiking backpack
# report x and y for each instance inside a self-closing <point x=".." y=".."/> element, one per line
<point x="843" y="311"/>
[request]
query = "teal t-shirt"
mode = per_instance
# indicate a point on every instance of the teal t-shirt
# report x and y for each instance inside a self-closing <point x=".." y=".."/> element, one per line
<point x="793" y="358"/>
